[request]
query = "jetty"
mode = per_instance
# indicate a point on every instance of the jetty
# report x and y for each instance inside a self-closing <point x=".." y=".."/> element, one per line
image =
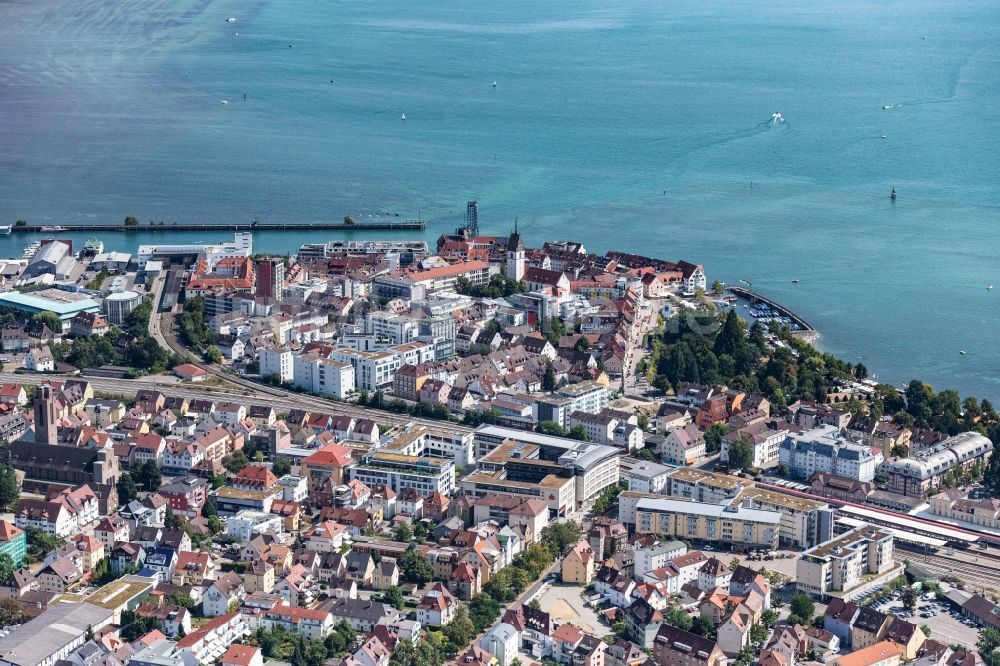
<point x="256" y="225"/>
<point x="803" y="328"/>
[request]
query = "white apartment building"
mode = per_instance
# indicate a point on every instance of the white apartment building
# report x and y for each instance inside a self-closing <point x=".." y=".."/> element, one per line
<point x="276" y="361"/>
<point x="247" y="524"/>
<point x="399" y="471"/>
<point x="841" y="564"/>
<point x="372" y="370"/>
<point x="824" y="450"/>
<point x="766" y="442"/>
<point x="413" y="353"/>
<point x="648" y="477"/>
<point x="457" y="445"/>
<point x="391" y="327"/>
<point x="323" y="376"/>
<point x="587" y="396"/>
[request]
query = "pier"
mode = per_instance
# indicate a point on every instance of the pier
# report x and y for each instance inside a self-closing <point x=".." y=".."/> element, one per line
<point x="402" y="225"/>
<point x="806" y="331"/>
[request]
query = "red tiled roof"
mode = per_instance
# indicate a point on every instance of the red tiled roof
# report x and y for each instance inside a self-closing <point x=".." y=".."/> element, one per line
<point x="331" y="454"/>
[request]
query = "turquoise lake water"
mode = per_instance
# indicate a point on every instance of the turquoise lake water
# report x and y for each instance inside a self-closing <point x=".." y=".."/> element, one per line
<point x="641" y="126"/>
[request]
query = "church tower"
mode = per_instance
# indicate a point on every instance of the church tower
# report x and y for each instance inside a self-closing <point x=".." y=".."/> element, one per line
<point x="515" y="255"/>
<point x="46" y="419"/>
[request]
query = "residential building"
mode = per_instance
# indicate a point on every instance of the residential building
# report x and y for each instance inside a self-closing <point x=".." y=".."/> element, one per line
<point x="511" y="457"/>
<point x="683" y="445"/>
<point x="399" y="471"/>
<point x="363" y="615"/>
<point x="884" y="653"/>
<point x="804" y="522"/>
<point x="226" y="590"/>
<point x="579" y="564"/>
<point x="185" y="495"/>
<point x="502" y="641"/>
<point x="824" y="450"/>
<point x="323" y="376"/>
<point x="676" y="647"/>
<point x="722" y="523"/>
<point x="373" y="371"/>
<point x="310" y="624"/>
<point x="326" y="464"/>
<point x="914" y="475"/>
<point x="848" y="564"/>
<point x="648" y="477"/>
<point x="243" y="655"/>
<point x="764" y="437"/>
<point x="209" y="642"/>
<point x="13" y="542"/>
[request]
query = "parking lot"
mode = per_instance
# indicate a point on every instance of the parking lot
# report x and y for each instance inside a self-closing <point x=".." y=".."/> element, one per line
<point x="945" y="623"/>
<point x="563" y="603"/>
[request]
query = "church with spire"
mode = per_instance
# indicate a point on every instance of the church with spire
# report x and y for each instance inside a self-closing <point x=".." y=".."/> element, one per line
<point x="515" y="255"/>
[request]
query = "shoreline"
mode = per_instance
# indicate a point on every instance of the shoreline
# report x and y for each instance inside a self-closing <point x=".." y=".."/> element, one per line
<point x="401" y="225"/>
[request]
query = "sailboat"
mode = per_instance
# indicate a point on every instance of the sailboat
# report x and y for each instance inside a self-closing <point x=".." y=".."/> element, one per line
<point x="404" y="118"/>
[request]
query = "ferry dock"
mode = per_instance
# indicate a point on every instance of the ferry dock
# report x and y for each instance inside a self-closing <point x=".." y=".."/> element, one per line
<point x="770" y="310"/>
<point x="401" y="225"/>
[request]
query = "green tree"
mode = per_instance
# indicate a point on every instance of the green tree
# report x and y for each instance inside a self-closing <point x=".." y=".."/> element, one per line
<point x="741" y="454"/>
<point x="49" y="319"/>
<point x="12" y="613"/>
<point x="713" y="437"/>
<point x="420" y="531"/>
<point x="314" y="653"/>
<point x="147" y="475"/>
<point x="678" y="617"/>
<point x="414" y="566"/>
<point x="133" y="626"/>
<point x="212" y="354"/>
<point x="236" y="462"/>
<point x="394" y="597"/>
<point x="281" y="467"/>
<point x="6" y="566"/>
<point x="550" y="428"/>
<point x="126" y="488"/>
<point x="41" y="544"/>
<point x="483" y="610"/>
<point x="9" y="488"/>
<point x="461" y="629"/>
<point x="181" y="600"/>
<point x="909" y="598"/>
<point x="535" y="559"/>
<point x="578" y="432"/>
<point x="403" y="532"/>
<point x="560" y="537"/>
<point x="759" y="633"/>
<point x="803" y="606"/>
<point x="549" y="378"/>
<point x="702" y="627"/>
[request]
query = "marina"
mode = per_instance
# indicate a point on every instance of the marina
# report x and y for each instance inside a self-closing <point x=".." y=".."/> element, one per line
<point x="765" y="311"/>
